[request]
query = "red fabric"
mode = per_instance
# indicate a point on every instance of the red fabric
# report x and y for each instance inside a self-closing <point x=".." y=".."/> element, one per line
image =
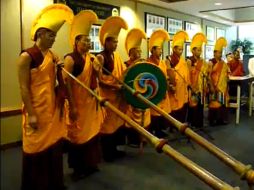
<point x="108" y="61"/>
<point x="174" y="60"/>
<point x="36" y="55"/>
<point x="154" y="60"/>
<point x="236" y="68"/>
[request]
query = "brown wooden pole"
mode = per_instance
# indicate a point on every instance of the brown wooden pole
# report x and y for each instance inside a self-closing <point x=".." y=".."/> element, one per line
<point x="245" y="171"/>
<point x="162" y="146"/>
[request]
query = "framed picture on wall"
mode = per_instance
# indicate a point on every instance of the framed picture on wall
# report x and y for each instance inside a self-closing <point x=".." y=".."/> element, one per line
<point x="220" y="33"/>
<point x="187" y="50"/>
<point x="209" y="52"/>
<point x="153" y="22"/>
<point x="170" y="50"/>
<point x="174" y="25"/>
<point x="210" y="33"/>
<point x="95" y="41"/>
<point x="103" y="10"/>
<point x="191" y="28"/>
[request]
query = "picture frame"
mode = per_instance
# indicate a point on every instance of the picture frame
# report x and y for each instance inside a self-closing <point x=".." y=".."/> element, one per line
<point x="170" y="49"/>
<point x="220" y="33"/>
<point x="209" y="52"/>
<point x="187" y="50"/>
<point x="103" y="10"/>
<point x="95" y="40"/>
<point x="191" y="28"/>
<point x="174" y="25"/>
<point x="153" y="22"/>
<point x="210" y="33"/>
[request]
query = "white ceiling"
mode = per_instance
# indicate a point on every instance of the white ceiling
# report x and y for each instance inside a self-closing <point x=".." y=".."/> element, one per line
<point x="230" y="11"/>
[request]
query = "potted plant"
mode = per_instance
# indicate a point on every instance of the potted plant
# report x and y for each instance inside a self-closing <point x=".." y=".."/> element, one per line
<point x="245" y="45"/>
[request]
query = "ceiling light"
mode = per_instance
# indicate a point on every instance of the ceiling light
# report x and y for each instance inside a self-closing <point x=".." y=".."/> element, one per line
<point x="217" y="4"/>
<point x="204" y="16"/>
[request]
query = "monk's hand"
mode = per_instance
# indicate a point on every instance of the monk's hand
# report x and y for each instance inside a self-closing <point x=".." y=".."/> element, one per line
<point x="32" y="121"/>
<point x="100" y="59"/>
<point x="97" y="64"/>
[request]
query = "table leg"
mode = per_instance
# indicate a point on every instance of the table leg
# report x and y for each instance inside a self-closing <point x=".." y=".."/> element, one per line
<point x="251" y="98"/>
<point x="238" y="102"/>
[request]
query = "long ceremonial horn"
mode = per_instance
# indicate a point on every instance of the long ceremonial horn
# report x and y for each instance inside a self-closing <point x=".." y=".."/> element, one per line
<point x="162" y="146"/>
<point x="245" y="171"/>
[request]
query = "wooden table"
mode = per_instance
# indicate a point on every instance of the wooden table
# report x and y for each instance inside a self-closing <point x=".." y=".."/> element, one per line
<point x="237" y="104"/>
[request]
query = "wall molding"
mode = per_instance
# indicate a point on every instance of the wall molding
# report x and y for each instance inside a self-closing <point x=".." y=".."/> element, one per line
<point x="10" y="145"/>
<point x="8" y="112"/>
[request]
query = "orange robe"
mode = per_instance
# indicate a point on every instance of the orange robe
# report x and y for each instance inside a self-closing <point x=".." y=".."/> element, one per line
<point x="112" y="121"/>
<point x="165" y="103"/>
<point x="51" y="127"/>
<point x="236" y="68"/>
<point x="219" y="77"/>
<point x="198" y="76"/>
<point x="180" y="97"/>
<point x="90" y="114"/>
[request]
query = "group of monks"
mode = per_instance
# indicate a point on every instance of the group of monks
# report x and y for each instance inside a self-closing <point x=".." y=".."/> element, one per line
<point x="56" y="107"/>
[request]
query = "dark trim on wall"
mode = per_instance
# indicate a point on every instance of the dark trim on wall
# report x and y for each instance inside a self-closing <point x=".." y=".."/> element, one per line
<point x="10" y="145"/>
<point x="215" y="22"/>
<point x="225" y="9"/>
<point x="10" y="112"/>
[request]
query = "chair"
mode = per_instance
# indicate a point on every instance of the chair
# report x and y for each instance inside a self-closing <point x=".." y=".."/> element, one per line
<point x="251" y="102"/>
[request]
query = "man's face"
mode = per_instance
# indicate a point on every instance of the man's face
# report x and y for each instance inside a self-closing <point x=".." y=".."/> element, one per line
<point x="197" y="51"/>
<point x="156" y="51"/>
<point x="47" y="37"/>
<point x="135" y="53"/>
<point x="178" y="50"/>
<point x="237" y="55"/>
<point x="217" y="54"/>
<point x="229" y="57"/>
<point x="111" y="44"/>
<point x="84" y="43"/>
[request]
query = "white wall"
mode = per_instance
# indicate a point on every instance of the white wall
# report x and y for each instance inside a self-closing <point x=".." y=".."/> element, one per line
<point x="245" y="31"/>
<point x="231" y="35"/>
<point x="10" y="49"/>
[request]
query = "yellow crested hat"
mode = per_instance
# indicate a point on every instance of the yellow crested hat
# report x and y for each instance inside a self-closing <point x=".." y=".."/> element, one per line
<point x="52" y="17"/>
<point x="220" y="43"/>
<point x="179" y="38"/>
<point x="111" y="28"/>
<point x="198" y="40"/>
<point x="158" y="37"/>
<point x="82" y="24"/>
<point x="134" y="39"/>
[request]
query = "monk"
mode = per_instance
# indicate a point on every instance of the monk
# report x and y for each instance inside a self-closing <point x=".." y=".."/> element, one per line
<point x="112" y="130"/>
<point x="43" y="119"/>
<point x="157" y="39"/>
<point x="218" y="93"/>
<point x="180" y="78"/>
<point x="132" y="45"/>
<point x="235" y="65"/>
<point x="85" y="114"/>
<point x="198" y="81"/>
